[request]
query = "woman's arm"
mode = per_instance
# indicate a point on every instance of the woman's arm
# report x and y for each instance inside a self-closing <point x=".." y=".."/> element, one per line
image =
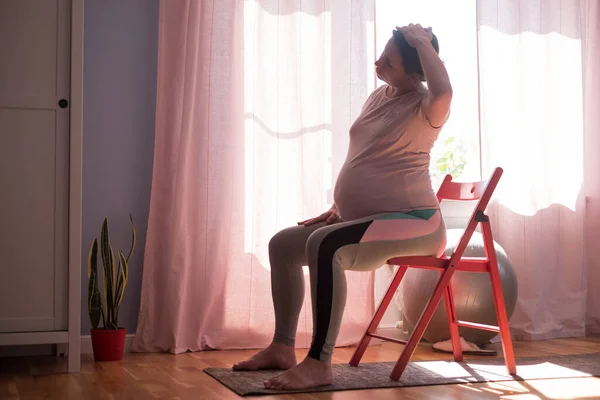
<point x="437" y="103"/>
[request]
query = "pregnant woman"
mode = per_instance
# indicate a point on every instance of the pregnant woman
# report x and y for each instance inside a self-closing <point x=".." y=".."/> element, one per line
<point x="384" y="206"/>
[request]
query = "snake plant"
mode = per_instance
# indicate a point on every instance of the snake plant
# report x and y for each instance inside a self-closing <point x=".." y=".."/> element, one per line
<point x="114" y="279"/>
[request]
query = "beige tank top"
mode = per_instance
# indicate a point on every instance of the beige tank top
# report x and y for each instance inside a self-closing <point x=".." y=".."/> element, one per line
<point x="387" y="166"/>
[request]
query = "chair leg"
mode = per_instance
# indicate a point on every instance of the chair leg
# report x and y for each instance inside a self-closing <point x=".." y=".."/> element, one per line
<point x="385" y="302"/>
<point x="454" y="334"/>
<point x="502" y="316"/>
<point x="424" y="320"/>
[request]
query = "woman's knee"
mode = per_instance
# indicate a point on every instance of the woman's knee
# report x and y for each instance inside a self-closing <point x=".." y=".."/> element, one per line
<point x="280" y="239"/>
<point x="288" y="244"/>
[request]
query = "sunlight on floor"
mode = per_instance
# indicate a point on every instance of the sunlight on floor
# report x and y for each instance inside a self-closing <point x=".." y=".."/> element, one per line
<point x="563" y="389"/>
<point x="555" y="384"/>
<point x="450" y="369"/>
<point x="550" y="369"/>
<point x="445" y="368"/>
<point x="540" y="389"/>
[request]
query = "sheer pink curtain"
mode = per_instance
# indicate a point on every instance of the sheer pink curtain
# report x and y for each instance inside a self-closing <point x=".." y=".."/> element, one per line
<point x="534" y="58"/>
<point x="590" y="11"/>
<point x="255" y="99"/>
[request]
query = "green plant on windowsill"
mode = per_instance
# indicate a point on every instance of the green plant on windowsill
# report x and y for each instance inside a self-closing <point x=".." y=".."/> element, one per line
<point x="451" y="161"/>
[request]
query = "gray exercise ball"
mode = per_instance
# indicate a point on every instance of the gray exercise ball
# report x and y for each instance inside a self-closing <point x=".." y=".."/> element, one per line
<point x="473" y="297"/>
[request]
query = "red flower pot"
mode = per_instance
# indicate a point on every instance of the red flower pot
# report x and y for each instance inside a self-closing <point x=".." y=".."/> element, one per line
<point x="108" y="344"/>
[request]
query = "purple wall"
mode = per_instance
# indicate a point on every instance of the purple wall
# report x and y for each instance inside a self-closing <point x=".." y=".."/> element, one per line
<point x="120" y="66"/>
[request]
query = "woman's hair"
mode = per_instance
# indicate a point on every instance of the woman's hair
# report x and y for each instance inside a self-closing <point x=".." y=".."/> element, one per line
<point x="410" y="57"/>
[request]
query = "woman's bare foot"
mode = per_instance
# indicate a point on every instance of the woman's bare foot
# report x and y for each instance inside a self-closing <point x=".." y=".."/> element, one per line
<point x="276" y="356"/>
<point x="308" y="374"/>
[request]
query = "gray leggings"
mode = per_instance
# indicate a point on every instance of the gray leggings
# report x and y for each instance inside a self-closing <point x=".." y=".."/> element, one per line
<point x="329" y="250"/>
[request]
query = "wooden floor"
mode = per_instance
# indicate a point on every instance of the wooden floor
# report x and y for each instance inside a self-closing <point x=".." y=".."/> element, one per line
<point x="164" y="376"/>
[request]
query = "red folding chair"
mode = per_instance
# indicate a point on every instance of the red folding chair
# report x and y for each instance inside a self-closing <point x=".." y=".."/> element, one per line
<point x="449" y="190"/>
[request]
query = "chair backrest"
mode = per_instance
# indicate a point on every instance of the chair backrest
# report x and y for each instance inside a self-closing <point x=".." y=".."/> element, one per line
<point x="468" y="191"/>
<point x="450" y="190"/>
<point x="481" y="191"/>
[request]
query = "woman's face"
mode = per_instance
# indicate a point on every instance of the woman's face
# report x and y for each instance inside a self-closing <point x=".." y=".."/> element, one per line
<point x="389" y="67"/>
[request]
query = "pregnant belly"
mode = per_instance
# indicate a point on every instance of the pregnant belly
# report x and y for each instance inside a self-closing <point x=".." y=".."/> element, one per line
<point x="361" y="192"/>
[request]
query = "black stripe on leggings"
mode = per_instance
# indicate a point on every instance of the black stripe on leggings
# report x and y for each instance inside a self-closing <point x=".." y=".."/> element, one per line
<point x="329" y="245"/>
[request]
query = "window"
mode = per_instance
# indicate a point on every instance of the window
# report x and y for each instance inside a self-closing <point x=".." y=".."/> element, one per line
<point x="455" y="24"/>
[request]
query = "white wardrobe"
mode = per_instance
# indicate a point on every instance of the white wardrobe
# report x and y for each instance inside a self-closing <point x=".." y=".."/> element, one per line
<point x="41" y="71"/>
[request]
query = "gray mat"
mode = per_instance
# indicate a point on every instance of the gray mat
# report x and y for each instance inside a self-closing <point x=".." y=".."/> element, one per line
<point x="421" y="373"/>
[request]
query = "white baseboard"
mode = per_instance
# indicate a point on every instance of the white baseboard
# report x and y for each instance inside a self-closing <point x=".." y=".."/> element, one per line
<point x="86" y="343"/>
<point x="86" y="340"/>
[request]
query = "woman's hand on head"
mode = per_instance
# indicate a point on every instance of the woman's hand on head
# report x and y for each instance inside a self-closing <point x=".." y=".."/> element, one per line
<point x="416" y="34"/>
<point x="436" y="104"/>
<point x="329" y="217"/>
